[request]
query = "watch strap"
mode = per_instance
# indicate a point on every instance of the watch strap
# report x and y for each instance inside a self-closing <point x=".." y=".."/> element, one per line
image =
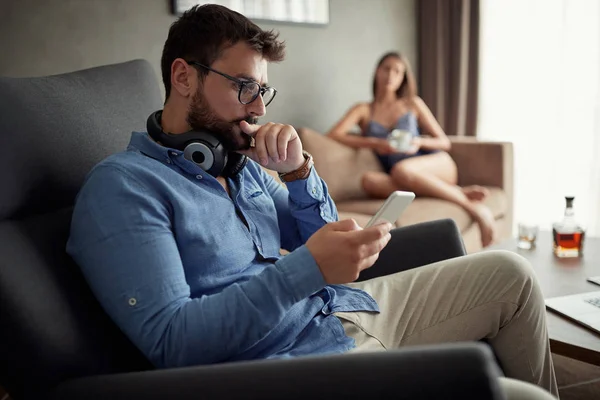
<point x="301" y="173"/>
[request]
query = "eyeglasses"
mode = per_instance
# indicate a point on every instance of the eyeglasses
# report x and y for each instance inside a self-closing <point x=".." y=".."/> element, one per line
<point x="249" y="90"/>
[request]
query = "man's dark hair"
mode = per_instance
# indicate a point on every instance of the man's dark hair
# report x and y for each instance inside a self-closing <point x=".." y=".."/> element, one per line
<point x="202" y="33"/>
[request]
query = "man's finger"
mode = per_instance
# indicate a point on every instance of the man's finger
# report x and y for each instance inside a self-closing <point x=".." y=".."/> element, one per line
<point x="260" y="148"/>
<point x="249" y="129"/>
<point x="261" y="137"/>
<point x="371" y="234"/>
<point x="271" y="143"/>
<point x="368" y="262"/>
<point x="282" y="142"/>
<point x="377" y="245"/>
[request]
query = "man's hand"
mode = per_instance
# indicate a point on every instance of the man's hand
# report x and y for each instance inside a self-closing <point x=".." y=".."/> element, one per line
<point x="277" y="146"/>
<point x="342" y="249"/>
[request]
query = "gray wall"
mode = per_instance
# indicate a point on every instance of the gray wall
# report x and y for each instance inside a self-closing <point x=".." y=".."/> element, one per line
<point x="327" y="69"/>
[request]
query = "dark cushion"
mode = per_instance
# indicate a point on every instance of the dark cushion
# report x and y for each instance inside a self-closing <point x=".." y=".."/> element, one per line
<point x="54" y="129"/>
<point x="52" y="327"/>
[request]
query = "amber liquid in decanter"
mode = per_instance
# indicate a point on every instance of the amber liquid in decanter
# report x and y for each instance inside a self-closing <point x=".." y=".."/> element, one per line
<point x="568" y="234"/>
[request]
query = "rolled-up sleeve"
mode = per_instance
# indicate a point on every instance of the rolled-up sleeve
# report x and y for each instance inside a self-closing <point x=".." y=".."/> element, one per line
<point x="302" y="209"/>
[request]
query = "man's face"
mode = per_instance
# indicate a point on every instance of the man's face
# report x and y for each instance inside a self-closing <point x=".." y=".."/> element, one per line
<point x="215" y="105"/>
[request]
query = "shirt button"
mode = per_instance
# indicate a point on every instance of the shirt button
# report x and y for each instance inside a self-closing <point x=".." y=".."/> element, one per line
<point x="314" y="190"/>
<point x="168" y="161"/>
<point x="198" y="176"/>
<point x="174" y="153"/>
<point x="132" y="301"/>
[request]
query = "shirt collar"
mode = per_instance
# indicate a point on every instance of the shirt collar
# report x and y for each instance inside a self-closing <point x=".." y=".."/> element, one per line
<point x="142" y="142"/>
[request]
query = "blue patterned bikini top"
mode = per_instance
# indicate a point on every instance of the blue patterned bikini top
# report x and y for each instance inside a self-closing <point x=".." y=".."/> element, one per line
<point x="407" y="122"/>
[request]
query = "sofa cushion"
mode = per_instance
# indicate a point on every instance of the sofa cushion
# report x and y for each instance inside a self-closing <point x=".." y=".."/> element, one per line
<point x="427" y="209"/>
<point x="340" y="166"/>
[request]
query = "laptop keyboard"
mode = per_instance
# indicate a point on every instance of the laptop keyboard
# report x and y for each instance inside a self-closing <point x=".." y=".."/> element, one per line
<point x="595" y="301"/>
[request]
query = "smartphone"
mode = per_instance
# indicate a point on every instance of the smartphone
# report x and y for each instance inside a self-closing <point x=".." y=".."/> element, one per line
<point x="393" y="207"/>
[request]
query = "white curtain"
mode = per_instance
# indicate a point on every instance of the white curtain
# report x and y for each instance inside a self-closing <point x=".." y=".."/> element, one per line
<point x="540" y="89"/>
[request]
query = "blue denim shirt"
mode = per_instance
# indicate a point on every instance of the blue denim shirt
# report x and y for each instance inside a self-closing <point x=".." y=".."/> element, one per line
<point x="163" y="248"/>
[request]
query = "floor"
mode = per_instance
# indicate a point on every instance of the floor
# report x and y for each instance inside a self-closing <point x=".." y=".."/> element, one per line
<point x="576" y="380"/>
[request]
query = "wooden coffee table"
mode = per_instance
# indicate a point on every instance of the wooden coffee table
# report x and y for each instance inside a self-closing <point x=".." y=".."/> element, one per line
<point x="560" y="277"/>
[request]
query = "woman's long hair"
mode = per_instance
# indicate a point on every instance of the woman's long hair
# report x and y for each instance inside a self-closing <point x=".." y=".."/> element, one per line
<point x="408" y="87"/>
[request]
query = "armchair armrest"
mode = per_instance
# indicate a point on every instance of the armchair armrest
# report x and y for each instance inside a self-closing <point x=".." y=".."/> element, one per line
<point x="417" y="245"/>
<point x="451" y="371"/>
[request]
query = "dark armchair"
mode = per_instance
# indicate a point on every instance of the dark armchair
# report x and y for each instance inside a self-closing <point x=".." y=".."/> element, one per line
<point x="55" y="340"/>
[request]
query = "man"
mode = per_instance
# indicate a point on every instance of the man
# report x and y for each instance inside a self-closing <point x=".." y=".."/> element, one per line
<point x="188" y="265"/>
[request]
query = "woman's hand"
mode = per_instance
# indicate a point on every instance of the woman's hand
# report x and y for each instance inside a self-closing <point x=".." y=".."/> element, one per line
<point x="383" y="147"/>
<point x="415" y="146"/>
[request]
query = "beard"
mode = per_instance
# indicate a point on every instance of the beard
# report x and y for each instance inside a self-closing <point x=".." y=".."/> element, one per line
<point x="202" y="117"/>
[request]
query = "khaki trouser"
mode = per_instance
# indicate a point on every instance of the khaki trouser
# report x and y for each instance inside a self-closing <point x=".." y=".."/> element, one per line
<point x="490" y="295"/>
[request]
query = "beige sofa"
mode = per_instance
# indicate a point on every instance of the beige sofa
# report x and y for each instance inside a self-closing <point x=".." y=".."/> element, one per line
<point x="488" y="164"/>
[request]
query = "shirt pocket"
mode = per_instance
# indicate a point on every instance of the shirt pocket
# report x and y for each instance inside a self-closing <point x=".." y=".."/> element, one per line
<point x="259" y="209"/>
<point x="257" y="200"/>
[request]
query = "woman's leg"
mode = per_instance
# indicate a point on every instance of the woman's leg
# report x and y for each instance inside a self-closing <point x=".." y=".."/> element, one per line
<point x="440" y="164"/>
<point x="378" y="184"/>
<point x="434" y="175"/>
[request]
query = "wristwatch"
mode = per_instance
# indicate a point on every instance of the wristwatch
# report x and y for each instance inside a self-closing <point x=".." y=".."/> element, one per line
<point x="300" y="173"/>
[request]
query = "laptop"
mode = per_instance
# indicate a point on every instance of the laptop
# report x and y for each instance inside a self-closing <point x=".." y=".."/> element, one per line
<point x="583" y="308"/>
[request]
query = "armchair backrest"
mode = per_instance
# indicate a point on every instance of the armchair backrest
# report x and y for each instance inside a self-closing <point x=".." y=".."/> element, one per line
<point x="52" y="131"/>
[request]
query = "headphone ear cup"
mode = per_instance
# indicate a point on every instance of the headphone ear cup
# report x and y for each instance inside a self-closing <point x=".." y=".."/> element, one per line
<point x="201" y="147"/>
<point x="204" y="156"/>
<point x="236" y="163"/>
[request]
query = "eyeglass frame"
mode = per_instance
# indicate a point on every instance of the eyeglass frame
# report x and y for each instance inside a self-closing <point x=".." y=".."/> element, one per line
<point x="241" y="83"/>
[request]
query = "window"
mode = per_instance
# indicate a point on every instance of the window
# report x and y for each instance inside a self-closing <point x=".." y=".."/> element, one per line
<point x="540" y="89"/>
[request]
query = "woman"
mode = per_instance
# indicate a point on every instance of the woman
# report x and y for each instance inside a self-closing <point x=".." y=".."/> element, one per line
<point x="426" y="168"/>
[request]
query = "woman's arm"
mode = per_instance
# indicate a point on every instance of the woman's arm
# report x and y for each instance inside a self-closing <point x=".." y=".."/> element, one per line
<point x="355" y="116"/>
<point x="428" y="123"/>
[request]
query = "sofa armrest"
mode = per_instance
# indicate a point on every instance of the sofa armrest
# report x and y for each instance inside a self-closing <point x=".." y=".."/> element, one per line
<point x="483" y="163"/>
<point x="417" y="245"/>
<point x="486" y="164"/>
<point x="451" y="371"/>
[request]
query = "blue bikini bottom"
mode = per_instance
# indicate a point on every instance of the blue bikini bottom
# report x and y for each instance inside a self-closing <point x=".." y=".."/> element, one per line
<point x="388" y="161"/>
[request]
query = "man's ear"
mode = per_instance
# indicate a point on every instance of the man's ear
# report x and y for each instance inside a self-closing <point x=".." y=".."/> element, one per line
<point x="184" y="78"/>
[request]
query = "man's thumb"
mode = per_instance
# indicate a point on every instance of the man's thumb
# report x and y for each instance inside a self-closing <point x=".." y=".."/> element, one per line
<point x="345" y="225"/>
